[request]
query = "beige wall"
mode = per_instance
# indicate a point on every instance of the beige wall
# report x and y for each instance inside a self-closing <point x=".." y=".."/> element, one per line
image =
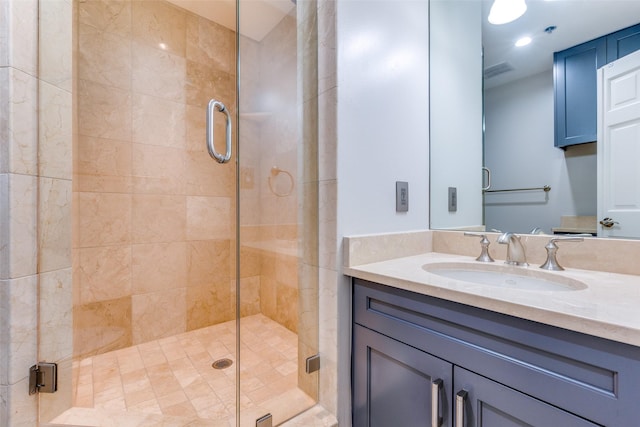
<point x="35" y="212"/>
<point x="155" y="211"/>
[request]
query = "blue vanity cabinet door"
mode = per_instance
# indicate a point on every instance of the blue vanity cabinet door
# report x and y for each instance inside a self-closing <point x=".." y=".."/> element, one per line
<point x="490" y="404"/>
<point x="575" y="90"/>
<point x="623" y="42"/>
<point x="593" y="378"/>
<point x="392" y="383"/>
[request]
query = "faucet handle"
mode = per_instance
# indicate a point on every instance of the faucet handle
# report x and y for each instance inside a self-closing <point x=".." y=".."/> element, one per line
<point x="552" y="263"/>
<point x="484" y="243"/>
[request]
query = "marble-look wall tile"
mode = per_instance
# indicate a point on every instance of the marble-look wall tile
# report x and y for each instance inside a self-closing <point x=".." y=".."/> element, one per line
<point x="21" y="34"/>
<point x="104" y="111"/>
<point x="54" y="217"/>
<point x="19" y="328"/>
<point x="105" y="218"/>
<point x="208" y="262"/>
<point x="158" y="267"/>
<point x="195" y="122"/>
<point x="53" y="404"/>
<point x="165" y="310"/>
<point x="104" y="57"/>
<point x="16" y="406"/>
<point x="208" y="218"/>
<point x="104" y="273"/>
<point x="55" y="132"/>
<point x="327" y="46"/>
<point x="327" y="211"/>
<point x="169" y="84"/>
<point x="287" y="270"/>
<point x="19" y="118"/>
<point x="158" y="122"/>
<point x="104" y="165"/>
<point x="204" y="82"/>
<point x="251" y="261"/>
<point x="249" y="296"/>
<point x="327" y="111"/>
<point x="157" y="170"/>
<point x="158" y="218"/>
<point x="55" y="43"/>
<point x="18" y="225"/>
<point x="208" y="305"/>
<point x="161" y="25"/>
<point x="205" y="177"/>
<point x="113" y="16"/>
<point x="101" y="327"/>
<point x="287" y="306"/>
<point x="56" y="316"/>
<point x="360" y="250"/>
<point x="210" y="43"/>
<point x="5" y="39"/>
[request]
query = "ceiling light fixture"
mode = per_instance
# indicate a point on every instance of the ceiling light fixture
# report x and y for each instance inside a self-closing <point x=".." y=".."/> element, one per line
<point x="523" y="41"/>
<point x="505" y="11"/>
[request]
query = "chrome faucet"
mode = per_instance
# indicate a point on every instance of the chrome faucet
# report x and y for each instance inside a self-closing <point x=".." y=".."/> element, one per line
<point x="552" y="263"/>
<point x="484" y="244"/>
<point x="515" y="249"/>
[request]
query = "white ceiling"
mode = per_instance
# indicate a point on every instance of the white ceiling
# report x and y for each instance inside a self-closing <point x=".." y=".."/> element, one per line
<point x="577" y="21"/>
<point x="257" y="17"/>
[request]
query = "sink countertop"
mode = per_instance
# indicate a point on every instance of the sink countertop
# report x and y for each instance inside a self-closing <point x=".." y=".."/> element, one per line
<point x="609" y="307"/>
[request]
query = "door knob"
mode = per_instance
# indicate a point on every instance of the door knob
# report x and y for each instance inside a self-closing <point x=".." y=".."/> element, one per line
<point x="608" y="222"/>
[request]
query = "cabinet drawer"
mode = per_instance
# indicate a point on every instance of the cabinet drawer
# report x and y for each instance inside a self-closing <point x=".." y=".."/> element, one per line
<point x="589" y="376"/>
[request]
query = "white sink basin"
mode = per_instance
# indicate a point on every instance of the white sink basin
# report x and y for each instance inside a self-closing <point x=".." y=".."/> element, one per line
<point x="505" y="276"/>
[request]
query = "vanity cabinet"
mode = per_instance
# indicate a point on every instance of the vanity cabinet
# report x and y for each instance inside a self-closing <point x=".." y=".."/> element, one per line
<point x="413" y="355"/>
<point x="575" y="88"/>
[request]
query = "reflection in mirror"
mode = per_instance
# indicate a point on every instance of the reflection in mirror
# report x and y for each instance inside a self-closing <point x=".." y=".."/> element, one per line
<point x="517" y="106"/>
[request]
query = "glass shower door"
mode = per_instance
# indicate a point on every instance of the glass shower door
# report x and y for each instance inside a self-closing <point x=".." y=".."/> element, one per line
<point x="194" y="289"/>
<point x="277" y="206"/>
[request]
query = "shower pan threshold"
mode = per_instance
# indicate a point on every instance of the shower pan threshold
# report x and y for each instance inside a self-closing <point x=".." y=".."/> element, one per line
<point x="170" y="381"/>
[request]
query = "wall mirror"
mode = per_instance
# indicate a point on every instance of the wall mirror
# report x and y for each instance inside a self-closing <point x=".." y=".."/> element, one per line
<point x="492" y="106"/>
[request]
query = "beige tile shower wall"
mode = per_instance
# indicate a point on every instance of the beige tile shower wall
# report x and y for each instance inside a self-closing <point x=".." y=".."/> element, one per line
<point x="35" y="208"/>
<point x="154" y="247"/>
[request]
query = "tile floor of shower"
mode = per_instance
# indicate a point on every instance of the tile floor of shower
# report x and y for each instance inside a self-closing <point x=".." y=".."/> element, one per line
<point x="171" y="381"/>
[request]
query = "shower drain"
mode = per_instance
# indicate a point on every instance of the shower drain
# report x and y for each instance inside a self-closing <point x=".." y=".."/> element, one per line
<point x="222" y="363"/>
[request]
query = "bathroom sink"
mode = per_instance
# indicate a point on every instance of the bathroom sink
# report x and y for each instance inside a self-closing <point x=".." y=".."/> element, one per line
<point x="505" y="276"/>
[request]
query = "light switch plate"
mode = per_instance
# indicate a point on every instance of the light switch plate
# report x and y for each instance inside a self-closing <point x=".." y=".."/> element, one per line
<point x="402" y="196"/>
<point x="453" y="199"/>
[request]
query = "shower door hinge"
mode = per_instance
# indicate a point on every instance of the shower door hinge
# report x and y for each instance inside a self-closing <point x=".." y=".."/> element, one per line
<point x="265" y="421"/>
<point x="43" y="378"/>
<point x="313" y="364"/>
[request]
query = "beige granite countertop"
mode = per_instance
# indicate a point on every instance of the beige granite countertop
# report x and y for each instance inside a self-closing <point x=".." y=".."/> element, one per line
<point x="608" y="307"/>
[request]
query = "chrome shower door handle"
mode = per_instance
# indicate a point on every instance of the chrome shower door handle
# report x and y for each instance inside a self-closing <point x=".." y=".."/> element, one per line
<point x="488" y="171"/>
<point x="211" y="109"/>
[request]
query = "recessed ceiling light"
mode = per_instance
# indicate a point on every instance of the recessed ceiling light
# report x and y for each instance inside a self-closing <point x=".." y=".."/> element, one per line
<point x="523" y="41"/>
<point x="505" y="11"/>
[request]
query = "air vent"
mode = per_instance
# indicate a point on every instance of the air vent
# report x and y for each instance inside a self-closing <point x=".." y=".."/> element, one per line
<point x="496" y="70"/>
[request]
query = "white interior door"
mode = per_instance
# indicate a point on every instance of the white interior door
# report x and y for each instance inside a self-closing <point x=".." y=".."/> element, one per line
<point x="619" y="148"/>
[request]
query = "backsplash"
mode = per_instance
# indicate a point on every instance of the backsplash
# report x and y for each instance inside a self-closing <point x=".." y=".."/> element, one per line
<point x="598" y="254"/>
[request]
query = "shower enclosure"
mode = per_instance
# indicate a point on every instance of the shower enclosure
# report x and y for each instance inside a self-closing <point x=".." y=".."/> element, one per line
<point x="195" y="285"/>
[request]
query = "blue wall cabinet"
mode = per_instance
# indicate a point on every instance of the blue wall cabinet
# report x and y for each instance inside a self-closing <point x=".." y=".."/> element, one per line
<point x="511" y="371"/>
<point x="623" y="42"/>
<point x="575" y="87"/>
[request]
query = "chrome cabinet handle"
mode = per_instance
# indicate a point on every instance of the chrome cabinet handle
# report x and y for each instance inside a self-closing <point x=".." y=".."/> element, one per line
<point x="217" y="105"/>
<point x="436" y="389"/>
<point x="461" y="396"/>
<point x="488" y="171"/>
